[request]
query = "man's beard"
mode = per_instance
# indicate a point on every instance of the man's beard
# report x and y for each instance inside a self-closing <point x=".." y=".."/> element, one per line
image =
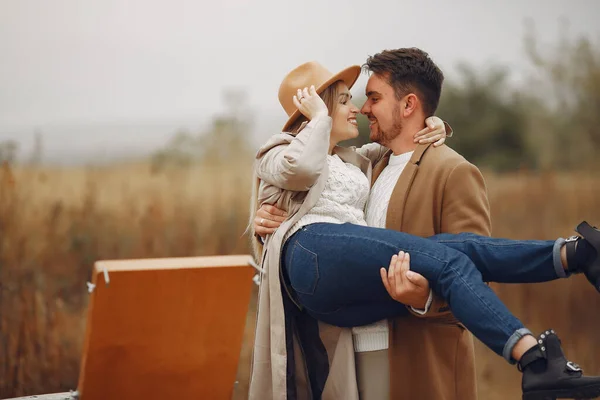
<point x="384" y="138"/>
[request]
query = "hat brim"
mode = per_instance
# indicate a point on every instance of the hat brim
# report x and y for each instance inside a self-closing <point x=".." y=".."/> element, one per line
<point x="348" y="76"/>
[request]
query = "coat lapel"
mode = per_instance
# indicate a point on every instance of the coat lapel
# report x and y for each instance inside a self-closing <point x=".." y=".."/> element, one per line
<point x="395" y="212"/>
<point x="380" y="166"/>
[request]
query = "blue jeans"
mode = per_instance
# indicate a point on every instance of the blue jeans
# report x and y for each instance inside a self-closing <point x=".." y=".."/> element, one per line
<point x="333" y="270"/>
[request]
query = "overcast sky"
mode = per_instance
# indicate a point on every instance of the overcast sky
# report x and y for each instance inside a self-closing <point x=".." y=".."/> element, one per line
<point x="72" y="68"/>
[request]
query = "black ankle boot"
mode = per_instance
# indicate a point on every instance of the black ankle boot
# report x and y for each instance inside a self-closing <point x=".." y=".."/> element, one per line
<point x="547" y="375"/>
<point x="590" y="267"/>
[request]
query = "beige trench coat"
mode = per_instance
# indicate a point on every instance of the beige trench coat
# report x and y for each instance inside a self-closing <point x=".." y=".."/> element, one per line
<point x="292" y="171"/>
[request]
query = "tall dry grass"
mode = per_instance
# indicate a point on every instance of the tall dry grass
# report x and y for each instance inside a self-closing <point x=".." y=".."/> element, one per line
<point x="54" y="223"/>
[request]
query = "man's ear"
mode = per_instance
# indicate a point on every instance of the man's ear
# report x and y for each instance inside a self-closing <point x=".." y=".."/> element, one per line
<point x="411" y="103"/>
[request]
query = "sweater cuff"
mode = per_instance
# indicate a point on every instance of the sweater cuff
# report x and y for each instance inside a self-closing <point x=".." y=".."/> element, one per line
<point x="370" y="341"/>
<point x="427" y="305"/>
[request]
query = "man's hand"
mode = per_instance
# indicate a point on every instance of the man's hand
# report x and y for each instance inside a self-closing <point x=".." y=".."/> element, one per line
<point x="404" y="285"/>
<point x="267" y="220"/>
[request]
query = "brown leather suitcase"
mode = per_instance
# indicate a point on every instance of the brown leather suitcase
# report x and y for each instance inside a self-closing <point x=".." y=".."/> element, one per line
<point x="165" y="328"/>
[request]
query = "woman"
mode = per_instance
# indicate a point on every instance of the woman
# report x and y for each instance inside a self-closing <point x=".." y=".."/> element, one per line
<point x="324" y="188"/>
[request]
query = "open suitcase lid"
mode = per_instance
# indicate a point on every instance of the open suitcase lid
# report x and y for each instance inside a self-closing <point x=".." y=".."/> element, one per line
<point x="165" y="328"/>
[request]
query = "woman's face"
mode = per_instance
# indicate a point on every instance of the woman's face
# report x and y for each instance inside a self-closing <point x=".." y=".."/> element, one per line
<point x="344" y="125"/>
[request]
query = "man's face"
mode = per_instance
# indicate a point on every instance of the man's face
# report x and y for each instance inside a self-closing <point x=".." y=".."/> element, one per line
<point x="383" y="110"/>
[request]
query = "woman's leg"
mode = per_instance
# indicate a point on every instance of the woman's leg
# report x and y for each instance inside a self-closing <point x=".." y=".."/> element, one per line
<point x="526" y="261"/>
<point x="509" y="261"/>
<point x="334" y="271"/>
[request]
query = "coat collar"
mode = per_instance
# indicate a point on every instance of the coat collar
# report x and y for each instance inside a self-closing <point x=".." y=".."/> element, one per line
<point x="414" y="159"/>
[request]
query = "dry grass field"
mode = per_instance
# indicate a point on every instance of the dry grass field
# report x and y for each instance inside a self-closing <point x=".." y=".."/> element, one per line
<point x="55" y="222"/>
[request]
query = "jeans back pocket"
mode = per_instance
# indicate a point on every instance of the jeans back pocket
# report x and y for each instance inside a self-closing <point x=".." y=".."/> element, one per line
<point x="303" y="270"/>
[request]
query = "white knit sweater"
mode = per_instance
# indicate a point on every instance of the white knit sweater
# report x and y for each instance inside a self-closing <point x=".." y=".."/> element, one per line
<point x="343" y="198"/>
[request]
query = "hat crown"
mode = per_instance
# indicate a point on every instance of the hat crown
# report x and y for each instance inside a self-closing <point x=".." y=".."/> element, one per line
<point x="305" y="75"/>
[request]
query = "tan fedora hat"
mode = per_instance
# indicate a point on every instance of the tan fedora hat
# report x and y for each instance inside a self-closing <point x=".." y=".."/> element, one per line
<point x="310" y="73"/>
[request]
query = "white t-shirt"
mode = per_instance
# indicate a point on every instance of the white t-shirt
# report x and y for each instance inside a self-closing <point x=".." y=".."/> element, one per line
<point x="376" y="336"/>
<point x="381" y="192"/>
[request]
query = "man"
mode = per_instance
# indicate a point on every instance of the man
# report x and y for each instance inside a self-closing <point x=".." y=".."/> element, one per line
<point x="422" y="190"/>
<point x="428" y="191"/>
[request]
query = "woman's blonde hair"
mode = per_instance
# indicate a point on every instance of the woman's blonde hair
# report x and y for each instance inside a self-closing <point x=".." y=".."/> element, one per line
<point x="329" y="96"/>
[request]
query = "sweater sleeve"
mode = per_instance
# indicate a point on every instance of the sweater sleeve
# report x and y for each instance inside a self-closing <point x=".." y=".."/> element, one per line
<point x="373" y="151"/>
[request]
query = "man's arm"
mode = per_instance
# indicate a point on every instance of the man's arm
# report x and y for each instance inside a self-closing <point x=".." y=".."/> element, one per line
<point x="465" y="208"/>
<point x="268" y="218"/>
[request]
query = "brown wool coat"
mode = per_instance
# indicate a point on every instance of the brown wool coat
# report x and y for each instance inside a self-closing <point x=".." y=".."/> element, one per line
<point x="292" y="171"/>
<point x="432" y="356"/>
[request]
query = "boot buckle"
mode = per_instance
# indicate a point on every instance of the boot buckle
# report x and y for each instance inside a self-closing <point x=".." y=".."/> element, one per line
<point x="571" y="239"/>
<point x="571" y="366"/>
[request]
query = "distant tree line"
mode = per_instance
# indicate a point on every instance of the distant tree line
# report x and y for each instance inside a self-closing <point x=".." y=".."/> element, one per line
<point x="551" y="121"/>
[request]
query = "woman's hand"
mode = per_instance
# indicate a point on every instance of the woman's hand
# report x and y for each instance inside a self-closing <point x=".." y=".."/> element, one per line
<point x="310" y="104"/>
<point x="403" y="285"/>
<point x="434" y="133"/>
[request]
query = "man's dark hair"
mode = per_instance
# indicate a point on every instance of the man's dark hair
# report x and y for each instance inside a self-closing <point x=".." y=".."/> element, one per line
<point x="409" y="70"/>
